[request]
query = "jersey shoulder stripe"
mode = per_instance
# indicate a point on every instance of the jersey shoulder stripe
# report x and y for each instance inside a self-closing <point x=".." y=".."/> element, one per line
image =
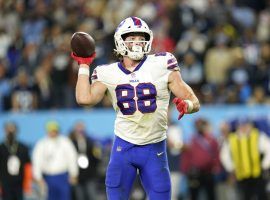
<point x="167" y="59"/>
<point x="171" y="61"/>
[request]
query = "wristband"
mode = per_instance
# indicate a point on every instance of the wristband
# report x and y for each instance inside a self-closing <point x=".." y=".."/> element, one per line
<point x="190" y="106"/>
<point x="84" y="71"/>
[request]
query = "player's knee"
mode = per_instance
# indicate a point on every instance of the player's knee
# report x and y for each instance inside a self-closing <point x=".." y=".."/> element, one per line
<point x="161" y="181"/>
<point x="113" y="176"/>
<point x="114" y="185"/>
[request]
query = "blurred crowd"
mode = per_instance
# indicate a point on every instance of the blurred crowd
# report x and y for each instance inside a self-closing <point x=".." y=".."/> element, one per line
<point x="223" y="47"/>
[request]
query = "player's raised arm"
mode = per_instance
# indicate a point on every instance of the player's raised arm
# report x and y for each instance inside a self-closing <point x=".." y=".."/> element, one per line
<point x="86" y="94"/>
<point x="83" y="51"/>
<point x="185" y="101"/>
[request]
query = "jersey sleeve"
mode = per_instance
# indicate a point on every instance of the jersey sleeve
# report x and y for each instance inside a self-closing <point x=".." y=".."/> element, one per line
<point x="168" y="63"/>
<point x="172" y="64"/>
<point x="100" y="74"/>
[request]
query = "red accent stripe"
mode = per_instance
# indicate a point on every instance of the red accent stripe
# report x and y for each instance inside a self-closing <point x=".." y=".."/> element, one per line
<point x="136" y="21"/>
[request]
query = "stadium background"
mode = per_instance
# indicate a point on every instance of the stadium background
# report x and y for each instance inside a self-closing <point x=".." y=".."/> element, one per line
<point x="223" y="47"/>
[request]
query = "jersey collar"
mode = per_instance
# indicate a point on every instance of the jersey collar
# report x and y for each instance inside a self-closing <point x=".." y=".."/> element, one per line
<point x="123" y="69"/>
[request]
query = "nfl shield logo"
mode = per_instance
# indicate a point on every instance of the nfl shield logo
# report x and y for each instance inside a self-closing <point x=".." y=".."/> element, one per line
<point x="119" y="148"/>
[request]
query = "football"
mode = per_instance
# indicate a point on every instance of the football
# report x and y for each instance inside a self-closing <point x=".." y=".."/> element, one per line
<point x="82" y="44"/>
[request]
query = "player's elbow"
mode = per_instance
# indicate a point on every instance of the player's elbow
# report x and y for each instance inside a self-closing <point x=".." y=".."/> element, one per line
<point x="83" y="101"/>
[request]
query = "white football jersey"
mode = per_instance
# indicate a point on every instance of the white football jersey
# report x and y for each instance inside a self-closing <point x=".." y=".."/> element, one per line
<point x="140" y="98"/>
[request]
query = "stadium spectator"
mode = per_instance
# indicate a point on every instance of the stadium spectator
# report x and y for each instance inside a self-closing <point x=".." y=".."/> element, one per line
<point x="15" y="166"/>
<point x="59" y="75"/>
<point x="24" y="94"/>
<point x="89" y="155"/>
<point x="238" y="76"/>
<point x="246" y="156"/>
<point x="174" y="147"/>
<point x="226" y="186"/>
<point x="200" y="161"/>
<point x="55" y="164"/>
<point x="44" y="83"/>
<point x="192" y="70"/>
<point x="5" y="87"/>
<point x="259" y="97"/>
<point x="5" y="41"/>
<point x="221" y="53"/>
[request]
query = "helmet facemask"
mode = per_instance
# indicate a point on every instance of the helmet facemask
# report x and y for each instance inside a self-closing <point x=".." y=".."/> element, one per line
<point x="133" y="25"/>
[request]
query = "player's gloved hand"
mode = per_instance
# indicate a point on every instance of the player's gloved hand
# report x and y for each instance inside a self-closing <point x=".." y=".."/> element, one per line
<point x="181" y="105"/>
<point x="82" y="60"/>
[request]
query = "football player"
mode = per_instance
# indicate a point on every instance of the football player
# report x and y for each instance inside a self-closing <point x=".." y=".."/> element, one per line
<point x="139" y="87"/>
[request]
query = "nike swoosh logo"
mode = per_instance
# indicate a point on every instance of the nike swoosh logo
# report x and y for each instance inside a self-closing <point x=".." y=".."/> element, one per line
<point x="159" y="154"/>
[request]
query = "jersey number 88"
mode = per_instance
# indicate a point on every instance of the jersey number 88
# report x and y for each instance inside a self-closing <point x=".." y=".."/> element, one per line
<point x="145" y="102"/>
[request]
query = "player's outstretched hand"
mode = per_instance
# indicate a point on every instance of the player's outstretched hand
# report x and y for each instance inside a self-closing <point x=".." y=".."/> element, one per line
<point x="82" y="60"/>
<point x="181" y="106"/>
